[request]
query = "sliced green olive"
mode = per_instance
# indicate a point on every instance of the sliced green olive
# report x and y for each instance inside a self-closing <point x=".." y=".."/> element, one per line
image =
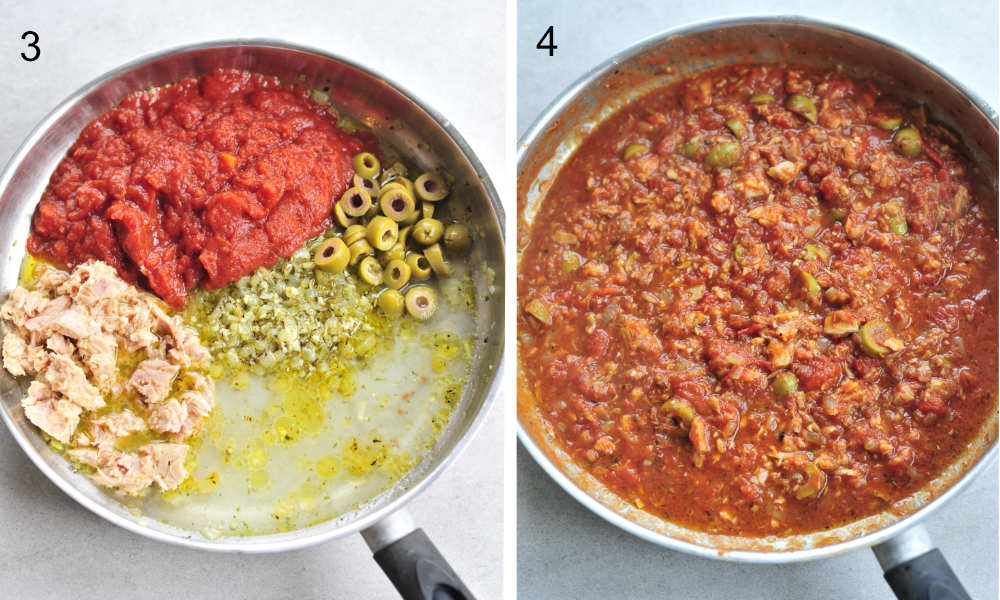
<point x="570" y="261"/>
<point x="431" y="187"/>
<point x="427" y="231"/>
<point x="691" y="148"/>
<point x="396" y="274"/>
<point x="397" y="252"/>
<point x="356" y="201"/>
<point x="814" y="483"/>
<point x="457" y="238"/>
<point x="634" y="150"/>
<point x="723" y="155"/>
<point x="813" y="252"/>
<point x="888" y="123"/>
<point x="366" y="184"/>
<point x="394" y="184"/>
<point x="837" y="214"/>
<point x="359" y="250"/>
<point x="341" y="217"/>
<point x="840" y="323"/>
<point x="400" y="180"/>
<point x="540" y="310"/>
<point x="436" y="259"/>
<point x="784" y="384"/>
<point x="370" y="271"/>
<point x="392" y="303"/>
<point x="739" y="252"/>
<point x="812" y="288"/>
<point x="366" y="165"/>
<point x="898" y="226"/>
<point x="907" y="142"/>
<point x="680" y="410"/>
<point x="397" y="203"/>
<point x="878" y="339"/>
<point x="427" y="210"/>
<point x="738" y="128"/>
<point x="332" y="255"/>
<point x="421" y="302"/>
<point x="354" y="233"/>
<point x="802" y="106"/>
<point x="420" y="268"/>
<point x="761" y="98"/>
<point x="382" y="233"/>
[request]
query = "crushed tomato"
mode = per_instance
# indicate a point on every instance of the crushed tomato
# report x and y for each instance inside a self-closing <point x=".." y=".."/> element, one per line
<point x="202" y="181"/>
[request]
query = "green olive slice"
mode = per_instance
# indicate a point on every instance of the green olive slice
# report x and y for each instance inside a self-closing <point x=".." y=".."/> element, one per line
<point x="690" y="148"/>
<point x="814" y="484"/>
<point x="680" y="410"/>
<point x="354" y="233"/>
<point x="341" y="217"/>
<point x="763" y="98"/>
<point x="392" y="303"/>
<point x="332" y="255"/>
<point x="437" y="261"/>
<point x="802" y="106"/>
<point x="427" y="231"/>
<point x="421" y="302"/>
<point x="396" y="274"/>
<point x="540" y="310"/>
<point x="396" y="203"/>
<point x="738" y="128"/>
<point x="784" y="384"/>
<point x="878" y="339"/>
<point x="366" y="165"/>
<point x="811" y="288"/>
<point x="723" y="155"/>
<point x="356" y="201"/>
<point x="634" y="150"/>
<point x="431" y="187"/>
<point x="888" y="123"/>
<point x="420" y="268"/>
<point x="370" y="271"/>
<point x="382" y="233"/>
<point x="907" y="142"/>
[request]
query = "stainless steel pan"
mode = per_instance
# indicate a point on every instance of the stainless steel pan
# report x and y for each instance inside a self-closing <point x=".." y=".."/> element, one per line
<point x="903" y="548"/>
<point x="396" y="117"/>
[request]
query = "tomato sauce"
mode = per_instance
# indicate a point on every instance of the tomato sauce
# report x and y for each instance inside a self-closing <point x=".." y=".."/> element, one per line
<point x="755" y="314"/>
<point x="200" y="182"/>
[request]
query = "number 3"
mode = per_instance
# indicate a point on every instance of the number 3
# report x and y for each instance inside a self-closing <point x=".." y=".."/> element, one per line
<point x="33" y="44"/>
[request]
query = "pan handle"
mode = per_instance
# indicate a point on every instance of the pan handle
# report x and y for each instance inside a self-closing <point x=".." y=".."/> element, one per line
<point x="916" y="570"/>
<point x="410" y="560"/>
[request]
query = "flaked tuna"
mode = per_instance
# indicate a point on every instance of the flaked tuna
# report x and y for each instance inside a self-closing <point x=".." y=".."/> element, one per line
<point x="67" y="334"/>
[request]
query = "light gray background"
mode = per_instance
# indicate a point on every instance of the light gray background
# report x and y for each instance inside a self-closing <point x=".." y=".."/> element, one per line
<point x="564" y="551"/>
<point x="52" y="548"/>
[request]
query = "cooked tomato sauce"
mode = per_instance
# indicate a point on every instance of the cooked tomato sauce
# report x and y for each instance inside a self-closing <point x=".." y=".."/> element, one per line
<point x="202" y="182"/>
<point x="763" y="321"/>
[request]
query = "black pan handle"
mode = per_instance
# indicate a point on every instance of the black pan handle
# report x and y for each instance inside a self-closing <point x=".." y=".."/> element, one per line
<point x="916" y="570"/>
<point x="411" y="561"/>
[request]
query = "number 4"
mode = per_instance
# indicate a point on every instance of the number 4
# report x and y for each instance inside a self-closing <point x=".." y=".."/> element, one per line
<point x="548" y="36"/>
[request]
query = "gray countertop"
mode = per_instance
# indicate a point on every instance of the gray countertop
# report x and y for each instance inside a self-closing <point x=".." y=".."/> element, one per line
<point x="52" y="548"/>
<point x="563" y="550"/>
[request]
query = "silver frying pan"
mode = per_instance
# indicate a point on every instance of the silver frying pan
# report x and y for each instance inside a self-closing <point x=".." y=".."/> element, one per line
<point x="903" y="548"/>
<point x="396" y="117"/>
